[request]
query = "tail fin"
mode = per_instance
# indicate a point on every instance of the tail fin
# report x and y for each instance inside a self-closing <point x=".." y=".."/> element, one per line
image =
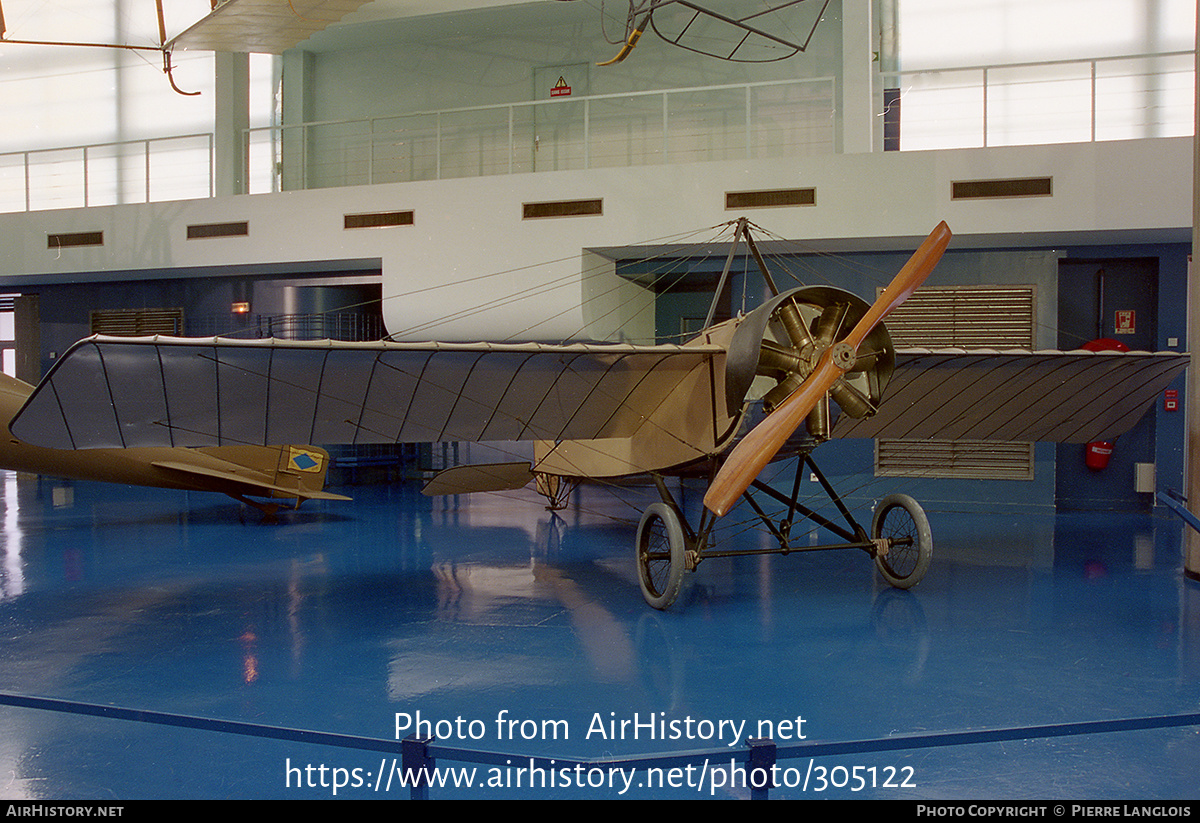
<point x="306" y="466"/>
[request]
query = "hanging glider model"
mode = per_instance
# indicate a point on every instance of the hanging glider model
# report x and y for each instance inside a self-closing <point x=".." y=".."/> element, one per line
<point x="767" y="32"/>
<point x="811" y="363"/>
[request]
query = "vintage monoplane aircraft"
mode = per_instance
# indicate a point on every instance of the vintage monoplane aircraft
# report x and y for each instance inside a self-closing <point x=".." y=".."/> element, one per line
<point x="816" y="361"/>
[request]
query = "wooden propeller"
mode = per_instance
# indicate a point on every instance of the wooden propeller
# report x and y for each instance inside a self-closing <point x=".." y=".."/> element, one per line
<point x="761" y="444"/>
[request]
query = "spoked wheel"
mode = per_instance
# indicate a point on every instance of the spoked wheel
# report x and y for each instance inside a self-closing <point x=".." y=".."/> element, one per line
<point x="660" y="555"/>
<point x="900" y="519"/>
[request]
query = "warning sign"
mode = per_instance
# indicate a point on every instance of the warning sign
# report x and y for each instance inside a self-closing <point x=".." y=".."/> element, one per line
<point x="1125" y="322"/>
<point x="561" y="89"/>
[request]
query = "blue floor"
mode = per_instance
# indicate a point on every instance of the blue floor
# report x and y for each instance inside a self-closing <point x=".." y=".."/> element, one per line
<point x="343" y="616"/>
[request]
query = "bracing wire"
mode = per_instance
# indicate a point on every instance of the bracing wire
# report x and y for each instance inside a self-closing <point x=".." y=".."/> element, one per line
<point x="541" y="288"/>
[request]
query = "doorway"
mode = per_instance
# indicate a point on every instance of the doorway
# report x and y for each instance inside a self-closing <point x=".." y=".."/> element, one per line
<point x="1114" y="298"/>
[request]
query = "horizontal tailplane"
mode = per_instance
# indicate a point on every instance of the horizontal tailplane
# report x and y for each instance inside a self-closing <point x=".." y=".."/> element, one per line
<point x="491" y="477"/>
<point x="280" y="472"/>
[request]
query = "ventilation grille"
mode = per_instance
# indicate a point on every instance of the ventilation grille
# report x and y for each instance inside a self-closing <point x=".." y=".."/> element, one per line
<point x="203" y="230"/>
<point x="963" y="459"/>
<point x="79" y="238"/>
<point x="379" y="220"/>
<point x="137" y="322"/>
<point x="774" y="198"/>
<point x="561" y="208"/>
<point x="992" y="317"/>
<point x="1000" y="189"/>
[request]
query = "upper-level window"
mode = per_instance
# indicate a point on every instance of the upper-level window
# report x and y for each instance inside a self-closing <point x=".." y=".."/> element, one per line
<point x="57" y="96"/>
<point x="1019" y="72"/>
<point x="67" y="97"/>
<point x="939" y="34"/>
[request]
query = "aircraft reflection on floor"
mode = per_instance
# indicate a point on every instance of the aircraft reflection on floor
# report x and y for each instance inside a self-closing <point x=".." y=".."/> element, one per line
<point x="338" y="617"/>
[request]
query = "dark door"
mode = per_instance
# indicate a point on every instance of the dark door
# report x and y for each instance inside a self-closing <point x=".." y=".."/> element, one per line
<point x="1117" y="299"/>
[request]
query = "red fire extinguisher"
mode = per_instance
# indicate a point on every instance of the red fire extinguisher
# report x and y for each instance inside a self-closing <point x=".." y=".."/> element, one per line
<point x="1098" y="452"/>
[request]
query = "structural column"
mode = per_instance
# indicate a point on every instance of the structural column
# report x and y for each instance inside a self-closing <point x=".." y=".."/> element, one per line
<point x="1192" y="444"/>
<point x="858" y="74"/>
<point x="297" y="109"/>
<point x="232" y="118"/>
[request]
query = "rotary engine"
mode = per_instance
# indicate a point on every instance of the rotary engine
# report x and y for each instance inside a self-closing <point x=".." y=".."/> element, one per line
<point x="778" y="345"/>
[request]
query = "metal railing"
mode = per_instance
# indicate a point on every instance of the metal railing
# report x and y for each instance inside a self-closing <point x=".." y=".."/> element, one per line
<point x="1111" y="98"/>
<point x="104" y="174"/>
<point x="751" y="768"/>
<point x="332" y="325"/>
<point x="782" y="118"/>
<point x="1057" y="101"/>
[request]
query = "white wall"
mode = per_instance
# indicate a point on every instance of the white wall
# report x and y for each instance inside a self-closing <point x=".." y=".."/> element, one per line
<point x="468" y="229"/>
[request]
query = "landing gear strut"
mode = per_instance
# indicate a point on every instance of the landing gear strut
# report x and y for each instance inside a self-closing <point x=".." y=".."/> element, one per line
<point x="900" y="540"/>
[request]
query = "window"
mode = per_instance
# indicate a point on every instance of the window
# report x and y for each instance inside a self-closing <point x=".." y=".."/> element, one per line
<point x="947" y="99"/>
<point x="65" y="97"/>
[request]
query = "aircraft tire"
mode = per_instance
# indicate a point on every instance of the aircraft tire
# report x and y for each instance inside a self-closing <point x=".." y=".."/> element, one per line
<point x="898" y="516"/>
<point x="660" y="555"/>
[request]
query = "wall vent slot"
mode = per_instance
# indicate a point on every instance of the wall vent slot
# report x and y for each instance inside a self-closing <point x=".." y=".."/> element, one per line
<point x="965" y="459"/>
<point x="203" y="230"/>
<point x="378" y="220"/>
<point x="990" y="317"/>
<point x="78" y="238"/>
<point x="1000" y="189"/>
<point x="968" y="317"/>
<point x="769" y="199"/>
<point x="562" y="208"/>
<point x="137" y="322"/>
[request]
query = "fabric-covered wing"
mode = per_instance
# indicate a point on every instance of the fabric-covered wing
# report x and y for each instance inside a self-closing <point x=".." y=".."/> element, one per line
<point x="158" y="391"/>
<point x="1068" y="397"/>
<point x="262" y="26"/>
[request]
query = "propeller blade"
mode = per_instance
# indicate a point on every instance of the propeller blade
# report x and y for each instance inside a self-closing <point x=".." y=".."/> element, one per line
<point x="755" y="450"/>
<point x="918" y="267"/>
<point x="761" y="444"/>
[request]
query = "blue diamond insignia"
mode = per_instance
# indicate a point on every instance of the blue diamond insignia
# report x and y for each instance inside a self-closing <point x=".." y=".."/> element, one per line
<point x="304" y="462"/>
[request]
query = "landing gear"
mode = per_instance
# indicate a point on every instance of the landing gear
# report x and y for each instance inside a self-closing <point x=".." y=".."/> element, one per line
<point x="660" y="555"/>
<point x="900" y="540"/>
<point x="557" y="490"/>
<point x="904" y="558"/>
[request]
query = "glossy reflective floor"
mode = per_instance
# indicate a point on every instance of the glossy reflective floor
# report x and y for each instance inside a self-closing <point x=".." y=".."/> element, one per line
<point x="343" y="615"/>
